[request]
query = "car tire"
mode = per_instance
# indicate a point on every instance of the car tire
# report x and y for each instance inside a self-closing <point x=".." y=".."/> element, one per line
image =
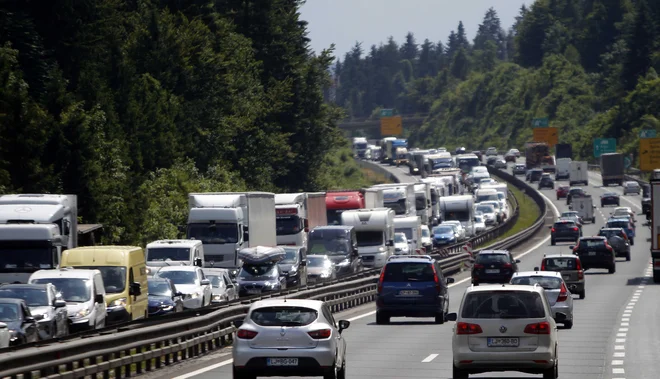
<point x="239" y="375"/>
<point x="332" y="374"/>
<point x="552" y="372"/>
<point x="612" y="269"/>
<point x="382" y="318"/>
<point x="628" y="257"/>
<point x="632" y="242"/>
<point x="341" y="374"/>
<point x="583" y="294"/>
<point x="458" y="373"/>
<point x="440" y="318"/>
<point x="568" y="325"/>
<point x="553" y="242"/>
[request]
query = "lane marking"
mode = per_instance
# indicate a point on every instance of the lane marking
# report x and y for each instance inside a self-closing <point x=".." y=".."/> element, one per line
<point x="620" y="340"/>
<point x="619" y="347"/>
<point x="620" y="354"/>
<point x="430" y="358"/>
<point x="625" y="319"/>
<point x="205" y="369"/>
<point x="621" y="334"/>
<point x="618" y="371"/>
<point x="623" y="329"/>
<point x="361" y="316"/>
<point x="617" y="363"/>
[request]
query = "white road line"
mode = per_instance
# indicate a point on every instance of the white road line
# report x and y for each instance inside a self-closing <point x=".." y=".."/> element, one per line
<point x="430" y="358"/>
<point x="617" y="363"/>
<point x="619" y="354"/>
<point x="619" y="347"/>
<point x="625" y="319"/>
<point x="361" y="316"/>
<point x="618" y="371"/>
<point x="620" y="340"/>
<point x="621" y="334"/>
<point x="623" y="329"/>
<point x="205" y="369"/>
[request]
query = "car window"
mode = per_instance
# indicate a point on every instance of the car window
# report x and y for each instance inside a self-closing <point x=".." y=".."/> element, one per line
<point x="492" y="258"/>
<point x="564" y="225"/>
<point x="503" y="304"/>
<point x="610" y="233"/>
<point x="618" y="224"/>
<point x="588" y="244"/>
<point x="547" y="282"/>
<point x="559" y="264"/>
<point x="409" y="272"/>
<point x="283" y="316"/>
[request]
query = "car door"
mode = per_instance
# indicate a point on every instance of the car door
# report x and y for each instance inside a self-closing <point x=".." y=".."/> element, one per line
<point x="230" y="287"/>
<point x="339" y="340"/>
<point x="61" y="316"/>
<point x="30" y="327"/>
<point x="444" y="288"/>
<point x="302" y="266"/>
<point x="100" y="307"/>
<point x="176" y="297"/>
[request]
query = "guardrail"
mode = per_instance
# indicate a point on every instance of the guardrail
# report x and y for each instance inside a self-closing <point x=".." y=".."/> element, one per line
<point x="135" y="349"/>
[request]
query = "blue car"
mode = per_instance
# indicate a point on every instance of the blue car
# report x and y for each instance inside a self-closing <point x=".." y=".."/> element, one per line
<point x="163" y="297"/>
<point x="444" y="235"/>
<point x="412" y="286"/>
<point x="624" y="224"/>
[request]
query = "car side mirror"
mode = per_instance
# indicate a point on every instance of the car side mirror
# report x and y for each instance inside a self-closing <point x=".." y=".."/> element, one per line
<point x="536" y="268"/>
<point x="303" y="263"/>
<point x="99" y="299"/>
<point x="205" y="282"/>
<point x="198" y="262"/>
<point x="59" y="304"/>
<point x="450" y="280"/>
<point x="560" y="317"/>
<point x="135" y="290"/>
<point x="29" y="320"/>
<point x="343" y="324"/>
<point x="389" y="243"/>
<point x="452" y="316"/>
<point x="517" y="260"/>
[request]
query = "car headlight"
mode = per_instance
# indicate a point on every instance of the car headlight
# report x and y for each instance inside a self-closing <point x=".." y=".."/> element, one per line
<point x="217" y="297"/>
<point x="13" y="335"/>
<point x="166" y="307"/>
<point x="345" y="262"/>
<point x="82" y="313"/>
<point x="293" y="271"/>
<point x="195" y="295"/>
<point x="381" y="249"/>
<point x="326" y="274"/>
<point x="121" y="302"/>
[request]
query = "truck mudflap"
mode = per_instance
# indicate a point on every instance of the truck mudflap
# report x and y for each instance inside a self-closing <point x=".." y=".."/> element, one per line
<point x="655" y="261"/>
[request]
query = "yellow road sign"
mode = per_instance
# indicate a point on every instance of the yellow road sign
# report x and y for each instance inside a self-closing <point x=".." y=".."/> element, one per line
<point x="649" y="154"/>
<point x="391" y="126"/>
<point x="547" y="135"/>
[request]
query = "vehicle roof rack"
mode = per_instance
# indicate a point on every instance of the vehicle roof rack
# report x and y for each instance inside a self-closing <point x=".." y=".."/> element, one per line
<point x="410" y="256"/>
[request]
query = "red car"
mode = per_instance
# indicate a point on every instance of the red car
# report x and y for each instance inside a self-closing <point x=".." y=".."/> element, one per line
<point x="562" y="192"/>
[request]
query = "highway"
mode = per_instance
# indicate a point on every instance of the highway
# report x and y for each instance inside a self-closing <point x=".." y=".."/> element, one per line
<point x="615" y="333"/>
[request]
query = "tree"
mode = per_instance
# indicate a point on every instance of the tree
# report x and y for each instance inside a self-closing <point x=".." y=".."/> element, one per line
<point x="409" y="49"/>
<point x="491" y="30"/>
<point x="641" y="41"/>
<point x="460" y="66"/>
<point x="531" y="35"/>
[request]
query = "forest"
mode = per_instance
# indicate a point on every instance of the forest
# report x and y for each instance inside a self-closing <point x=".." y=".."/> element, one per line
<point x="132" y="104"/>
<point x="590" y="66"/>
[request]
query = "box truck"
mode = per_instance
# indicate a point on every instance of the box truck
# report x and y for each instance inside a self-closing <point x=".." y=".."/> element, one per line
<point x="296" y="214"/>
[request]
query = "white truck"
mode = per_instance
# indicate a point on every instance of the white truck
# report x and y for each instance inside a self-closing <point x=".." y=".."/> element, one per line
<point x="563" y="168"/>
<point x="163" y="253"/>
<point x="412" y="228"/>
<point x="359" y="147"/>
<point x="223" y="221"/>
<point x="579" y="173"/>
<point x="34" y="230"/>
<point x="460" y="208"/>
<point x="584" y="206"/>
<point x="298" y="213"/>
<point x="374" y="229"/>
<point x="423" y="202"/>
<point x="451" y="177"/>
<point x="400" y="197"/>
<point x="503" y="194"/>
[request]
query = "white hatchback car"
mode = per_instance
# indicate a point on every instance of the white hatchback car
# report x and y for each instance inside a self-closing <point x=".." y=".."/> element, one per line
<point x="401" y="244"/>
<point x="427" y="241"/>
<point x="289" y="337"/>
<point x="505" y="328"/>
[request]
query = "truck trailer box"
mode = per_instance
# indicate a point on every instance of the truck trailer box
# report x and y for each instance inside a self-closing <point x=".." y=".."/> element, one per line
<point x="579" y="173"/>
<point x="612" y="168"/>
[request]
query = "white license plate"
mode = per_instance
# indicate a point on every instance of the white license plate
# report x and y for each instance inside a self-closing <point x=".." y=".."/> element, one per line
<point x="408" y="293"/>
<point x="503" y="342"/>
<point x="497" y="271"/>
<point x="282" y="362"/>
<point x="592" y="253"/>
<point x="253" y="292"/>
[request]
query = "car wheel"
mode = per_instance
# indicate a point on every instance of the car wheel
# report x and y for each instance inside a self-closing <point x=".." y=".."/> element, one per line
<point x="332" y="374"/>
<point x="628" y="257"/>
<point x="612" y="269"/>
<point x="568" y="324"/>
<point x="552" y="372"/>
<point x="440" y="318"/>
<point x="632" y="242"/>
<point x="583" y="294"/>
<point x="341" y="374"/>
<point x="458" y="373"/>
<point x="382" y="318"/>
<point x="553" y="243"/>
<point x="239" y="375"/>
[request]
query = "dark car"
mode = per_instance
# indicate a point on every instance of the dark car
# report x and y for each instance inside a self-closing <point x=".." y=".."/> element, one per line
<point x="618" y="239"/>
<point x="519" y="169"/>
<point x="412" y="286"/>
<point x="546" y="182"/>
<point x="259" y="278"/>
<point x="491" y="160"/>
<point x="646" y="200"/>
<point x="45" y="306"/>
<point x="564" y="230"/>
<point x="494" y="266"/>
<point x="479" y="154"/>
<point x="163" y="297"/>
<point x="23" y="327"/>
<point x="575" y="192"/>
<point x="570" y="268"/>
<point x="459" y="150"/>
<point x="510" y="157"/>
<point x="339" y="243"/>
<point x="562" y="192"/>
<point x="595" y="252"/>
<point x="610" y="198"/>
<point x="534" y="175"/>
<point x="294" y="265"/>
<point x="624" y="224"/>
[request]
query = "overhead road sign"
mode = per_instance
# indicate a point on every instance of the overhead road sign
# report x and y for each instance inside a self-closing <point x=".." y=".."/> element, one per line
<point x="541" y="122"/>
<point x="391" y="126"/>
<point x="649" y="154"/>
<point x="627" y="162"/>
<point x="648" y="133"/>
<point x="547" y="135"/>
<point x="604" y="146"/>
<point x="386" y="112"/>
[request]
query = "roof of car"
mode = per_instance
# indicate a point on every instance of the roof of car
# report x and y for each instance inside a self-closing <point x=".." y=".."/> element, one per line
<point x="5" y="300"/>
<point x="619" y="218"/>
<point x="494" y="252"/>
<point x="24" y="286"/>
<point x="617" y="229"/>
<point x="560" y="255"/>
<point x="627" y="209"/>
<point x="610" y="194"/>
<point x="631" y="182"/>
<point x="282" y="302"/>
<point x="555" y="274"/>
<point x="503" y="287"/>
<point x="565" y="221"/>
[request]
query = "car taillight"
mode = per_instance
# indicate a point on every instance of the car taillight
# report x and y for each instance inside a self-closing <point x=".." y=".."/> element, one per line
<point x="538" y="328"/>
<point x="576" y="229"/>
<point x="380" y="280"/>
<point x="543" y="266"/>
<point x="579" y="269"/>
<point x="467" y="328"/>
<point x="507" y="265"/>
<point x="436" y="279"/>
<point x="246" y="334"/>
<point x="563" y="293"/>
<point x="320" y="334"/>
<point x="553" y="230"/>
<point x="607" y="245"/>
<point x="477" y="265"/>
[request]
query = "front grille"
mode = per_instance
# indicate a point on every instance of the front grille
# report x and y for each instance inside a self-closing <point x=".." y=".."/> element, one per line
<point x="368" y="258"/>
<point x="252" y="286"/>
<point x="154" y="309"/>
<point x="217" y="257"/>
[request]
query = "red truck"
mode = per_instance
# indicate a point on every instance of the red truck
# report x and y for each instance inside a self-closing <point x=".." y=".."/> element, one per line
<point x="338" y="201"/>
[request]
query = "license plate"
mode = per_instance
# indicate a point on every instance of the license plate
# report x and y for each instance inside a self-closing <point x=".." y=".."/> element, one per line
<point x="496" y="271"/>
<point x="592" y="253"/>
<point x="253" y="292"/>
<point x="408" y="293"/>
<point x="282" y="362"/>
<point x="567" y="277"/>
<point x="503" y="342"/>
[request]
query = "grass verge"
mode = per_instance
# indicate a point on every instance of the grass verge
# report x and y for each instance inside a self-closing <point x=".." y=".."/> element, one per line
<point x="529" y="212"/>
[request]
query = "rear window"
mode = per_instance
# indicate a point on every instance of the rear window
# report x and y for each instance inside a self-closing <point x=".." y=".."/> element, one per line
<point x="547" y="282"/>
<point x="564" y="225"/>
<point x="503" y="304"/>
<point x="560" y="264"/>
<point x="283" y="316"/>
<point x="492" y="258"/>
<point x="611" y="233"/>
<point x="618" y="224"/>
<point x="409" y="272"/>
<point x="585" y="244"/>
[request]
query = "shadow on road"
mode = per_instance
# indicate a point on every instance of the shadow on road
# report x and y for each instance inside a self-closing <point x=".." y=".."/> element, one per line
<point x="641" y="280"/>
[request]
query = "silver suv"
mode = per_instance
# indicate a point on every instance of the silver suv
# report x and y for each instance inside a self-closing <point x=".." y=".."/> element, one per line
<point x="505" y="328"/>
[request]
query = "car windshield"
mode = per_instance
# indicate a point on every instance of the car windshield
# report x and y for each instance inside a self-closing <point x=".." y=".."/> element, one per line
<point x="610" y="233"/>
<point x="400" y="238"/>
<point x="486" y="208"/>
<point x="330" y="242"/>
<point x="426" y="232"/>
<point x="159" y="288"/>
<point x="492" y="258"/>
<point x="165" y="253"/>
<point x="618" y="224"/>
<point x="34" y="297"/>
<point x="216" y="280"/>
<point x="179" y="277"/>
<point x="8" y="312"/>
<point x="443" y="230"/>
<point x="409" y="272"/>
<point x="592" y="243"/>
<point x="214" y="233"/>
<point x="318" y="262"/>
<point x="283" y="316"/>
<point x="478" y="218"/>
<point x="632" y="184"/>
<point x="114" y="277"/>
<point x="560" y="264"/>
<point x="255" y="271"/>
<point x="287" y="225"/>
<point x="569" y="215"/>
<point x="291" y="255"/>
<point x="73" y="290"/>
<point x="503" y="304"/>
<point x="547" y="282"/>
<point x="564" y="225"/>
<point x="369" y="238"/>
<point x="610" y="194"/>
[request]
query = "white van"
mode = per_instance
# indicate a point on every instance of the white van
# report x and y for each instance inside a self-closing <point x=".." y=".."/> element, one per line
<point x="412" y="228"/>
<point x="489" y="194"/>
<point x="563" y="169"/>
<point x="83" y="291"/>
<point x="163" y="253"/>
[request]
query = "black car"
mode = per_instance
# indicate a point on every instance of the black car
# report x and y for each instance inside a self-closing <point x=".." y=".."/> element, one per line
<point x="491" y="161"/>
<point x="575" y="192"/>
<point x="618" y="239"/>
<point x="23" y="327"/>
<point x="546" y="182"/>
<point x="519" y="169"/>
<point x="564" y="230"/>
<point x="163" y="297"/>
<point x="610" y="198"/>
<point x="534" y="175"/>
<point x="494" y="266"/>
<point x="595" y="252"/>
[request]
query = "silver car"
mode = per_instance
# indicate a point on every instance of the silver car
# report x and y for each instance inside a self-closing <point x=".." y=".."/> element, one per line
<point x="556" y="291"/>
<point x="223" y="289"/>
<point x="289" y="337"/>
<point x="631" y="187"/>
<point x="46" y="307"/>
<point x="320" y="269"/>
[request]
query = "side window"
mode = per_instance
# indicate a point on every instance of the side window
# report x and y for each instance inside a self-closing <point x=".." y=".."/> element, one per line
<point x="56" y="258"/>
<point x="328" y="315"/>
<point x="131" y="277"/>
<point x="438" y="269"/>
<point x="26" y="311"/>
<point x="226" y="279"/>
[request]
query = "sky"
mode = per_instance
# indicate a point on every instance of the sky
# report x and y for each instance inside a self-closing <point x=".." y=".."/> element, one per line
<point x="344" y="22"/>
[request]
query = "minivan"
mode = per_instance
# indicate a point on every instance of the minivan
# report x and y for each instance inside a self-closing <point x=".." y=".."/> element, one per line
<point x="124" y="273"/>
<point x="163" y="253"/>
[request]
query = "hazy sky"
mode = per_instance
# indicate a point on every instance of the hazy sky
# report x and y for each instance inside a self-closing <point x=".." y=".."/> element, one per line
<point x="344" y="22"/>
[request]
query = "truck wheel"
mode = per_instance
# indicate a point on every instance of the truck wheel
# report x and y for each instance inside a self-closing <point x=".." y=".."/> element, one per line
<point x="656" y="276"/>
<point x="612" y="270"/>
<point x="583" y="294"/>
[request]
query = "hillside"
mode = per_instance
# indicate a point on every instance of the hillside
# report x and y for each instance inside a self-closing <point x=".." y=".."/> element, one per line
<point x="589" y="65"/>
<point x="130" y="105"/>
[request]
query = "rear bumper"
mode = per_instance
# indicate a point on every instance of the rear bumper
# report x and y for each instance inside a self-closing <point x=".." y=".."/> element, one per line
<point x="530" y="362"/>
<point x="254" y="360"/>
<point x="596" y="263"/>
<point x="410" y="310"/>
<point x="566" y="237"/>
<point x="497" y="279"/>
<point x="306" y="367"/>
<point x="575" y="287"/>
<point x="563" y="308"/>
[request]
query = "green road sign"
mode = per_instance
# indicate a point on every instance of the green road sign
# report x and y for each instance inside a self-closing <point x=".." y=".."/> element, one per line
<point x="542" y="122"/>
<point x="604" y="146"/>
<point x="386" y="112"/>
<point x="627" y="162"/>
<point x="649" y="133"/>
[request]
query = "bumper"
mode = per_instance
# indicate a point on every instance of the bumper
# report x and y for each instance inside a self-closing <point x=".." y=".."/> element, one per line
<point x="116" y="315"/>
<point x="596" y="263"/>
<point x="374" y="260"/>
<point x="525" y="361"/>
<point x="568" y="238"/>
<point x="410" y="310"/>
<point x="563" y="308"/>
<point x="495" y="279"/>
<point x="193" y="303"/>
<point x="314" y="361"/>
<point x="610" y="202"/>
<point x="80" y="325"/>
<point x="575" y="287"/>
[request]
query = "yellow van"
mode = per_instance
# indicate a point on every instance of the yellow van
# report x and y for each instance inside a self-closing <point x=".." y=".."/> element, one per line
<point x="124" y="273"/>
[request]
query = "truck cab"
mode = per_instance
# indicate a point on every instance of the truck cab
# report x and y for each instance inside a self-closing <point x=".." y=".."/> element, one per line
<point x="27" y="248"/>
<point x="412" y="228"/>
<point x="374" y="229"/>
